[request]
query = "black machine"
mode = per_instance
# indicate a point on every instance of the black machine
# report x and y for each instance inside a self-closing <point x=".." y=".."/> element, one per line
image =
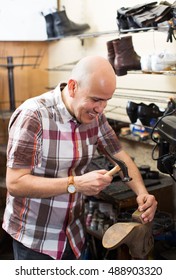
<point x="166" y="128"/>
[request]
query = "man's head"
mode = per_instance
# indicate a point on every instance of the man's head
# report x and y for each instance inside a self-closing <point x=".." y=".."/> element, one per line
<point x="92" y="83"/>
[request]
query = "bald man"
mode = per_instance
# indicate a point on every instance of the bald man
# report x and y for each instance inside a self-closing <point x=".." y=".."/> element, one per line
<point x="52" y="139"/>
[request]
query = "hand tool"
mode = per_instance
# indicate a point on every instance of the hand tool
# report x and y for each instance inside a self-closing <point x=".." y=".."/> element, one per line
<point x="118" y="164"/>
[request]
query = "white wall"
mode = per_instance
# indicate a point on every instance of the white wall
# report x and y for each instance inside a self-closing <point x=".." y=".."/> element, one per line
<point x="21" y="20"/>
<point x="101" y="16"/>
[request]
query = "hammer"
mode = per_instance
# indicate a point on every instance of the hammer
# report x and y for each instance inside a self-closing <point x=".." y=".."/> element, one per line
<point x="119" y="165"/>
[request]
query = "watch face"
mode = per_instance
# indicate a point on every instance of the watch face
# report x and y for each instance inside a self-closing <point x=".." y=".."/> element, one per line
<point x="71" y="189"/>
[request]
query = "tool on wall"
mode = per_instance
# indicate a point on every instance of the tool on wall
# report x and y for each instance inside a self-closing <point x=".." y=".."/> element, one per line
<point x="10" y="65"/>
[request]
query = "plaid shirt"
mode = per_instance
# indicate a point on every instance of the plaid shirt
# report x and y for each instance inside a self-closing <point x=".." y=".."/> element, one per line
<point x="45" y="138"/>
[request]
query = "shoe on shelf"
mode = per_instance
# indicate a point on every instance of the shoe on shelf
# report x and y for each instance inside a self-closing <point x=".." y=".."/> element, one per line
<point x="132" y="110"/>
<point x="58" y="25"/>
<point x="49" y="24"/>
<point x="163" y="61"/>
<point x="126" y="58"/>
<point x="146" y="66"/>
<point x="63" y="26"/>
<point x="148" y="113"/>
<point x="158" y="62"/>
<point x="110" y="52"/>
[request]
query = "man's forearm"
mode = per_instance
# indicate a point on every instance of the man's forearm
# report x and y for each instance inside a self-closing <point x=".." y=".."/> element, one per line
<point x="22" y="184"/>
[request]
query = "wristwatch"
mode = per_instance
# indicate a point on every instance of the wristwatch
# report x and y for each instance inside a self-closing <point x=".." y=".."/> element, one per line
<point x="71" y="185"/>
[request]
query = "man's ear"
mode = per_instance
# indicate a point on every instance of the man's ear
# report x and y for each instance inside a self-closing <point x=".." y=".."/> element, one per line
<point x="72" y="87"/>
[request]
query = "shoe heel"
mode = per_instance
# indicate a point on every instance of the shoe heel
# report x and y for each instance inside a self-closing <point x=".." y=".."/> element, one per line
<point x="121" y="72"/>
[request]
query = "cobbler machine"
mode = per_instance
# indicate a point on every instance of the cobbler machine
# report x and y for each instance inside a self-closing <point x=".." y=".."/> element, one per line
<point x="166" y="161"/>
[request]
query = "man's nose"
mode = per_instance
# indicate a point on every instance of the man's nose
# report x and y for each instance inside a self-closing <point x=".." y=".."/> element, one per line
<point x="100" y="106"/>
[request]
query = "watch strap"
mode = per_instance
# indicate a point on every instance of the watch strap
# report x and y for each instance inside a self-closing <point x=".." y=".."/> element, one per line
<point x="71" y="180"/>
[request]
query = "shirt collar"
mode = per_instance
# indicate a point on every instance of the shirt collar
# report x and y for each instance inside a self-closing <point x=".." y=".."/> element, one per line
<point x="66" y="116"/>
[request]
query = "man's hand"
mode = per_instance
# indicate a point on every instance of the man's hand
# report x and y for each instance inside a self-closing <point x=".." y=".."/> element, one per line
<point x="148" y="204"/>
<point x="93" y="182"/>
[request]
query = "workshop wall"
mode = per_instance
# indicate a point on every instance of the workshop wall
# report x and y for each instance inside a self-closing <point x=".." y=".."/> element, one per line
<point x="137" y="87"/>
<point x="56" y="58"/>
<point x="59" y="56"/>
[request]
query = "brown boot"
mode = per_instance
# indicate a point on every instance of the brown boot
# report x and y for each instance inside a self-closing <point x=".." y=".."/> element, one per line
<point x="138" y="237"/>
<point x="125" y="56"/>
<point x="111" y="53"/>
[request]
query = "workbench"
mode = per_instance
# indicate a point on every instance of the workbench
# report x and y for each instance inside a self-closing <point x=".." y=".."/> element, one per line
<point x="123" y="199"/>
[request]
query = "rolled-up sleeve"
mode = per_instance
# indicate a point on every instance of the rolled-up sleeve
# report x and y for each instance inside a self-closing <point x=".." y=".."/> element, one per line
<point x="24" y="144"/>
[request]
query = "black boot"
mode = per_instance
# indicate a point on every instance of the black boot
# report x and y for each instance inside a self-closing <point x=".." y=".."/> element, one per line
<point x="65" y="27"/>
<point x="148" y="112"/>
<point x="132" y="110"/>
<point x="49" y="25"/>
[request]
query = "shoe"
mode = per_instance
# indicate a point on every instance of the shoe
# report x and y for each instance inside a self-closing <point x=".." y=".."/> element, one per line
<point x="138" y="237"/>
<point x="110" y="52"/>
<point x="146" y="65"/>
<point x="132" y="110"/>
<point x="132" y="24"/>
<point x="49" y="25"/>
<point x="163" y="61"/>
<point x="158" y="62"/>
<point x="63" y="26"/>
<point x="125" y="15"/>
<point x="125" y="56"/>
<point x="121" y="19"/>
<point x="150" y="18"/>
<point x="148" y="114"/>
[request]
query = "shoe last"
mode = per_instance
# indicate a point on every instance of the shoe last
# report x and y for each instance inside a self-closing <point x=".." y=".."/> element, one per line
<point x="138" y="237"/>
